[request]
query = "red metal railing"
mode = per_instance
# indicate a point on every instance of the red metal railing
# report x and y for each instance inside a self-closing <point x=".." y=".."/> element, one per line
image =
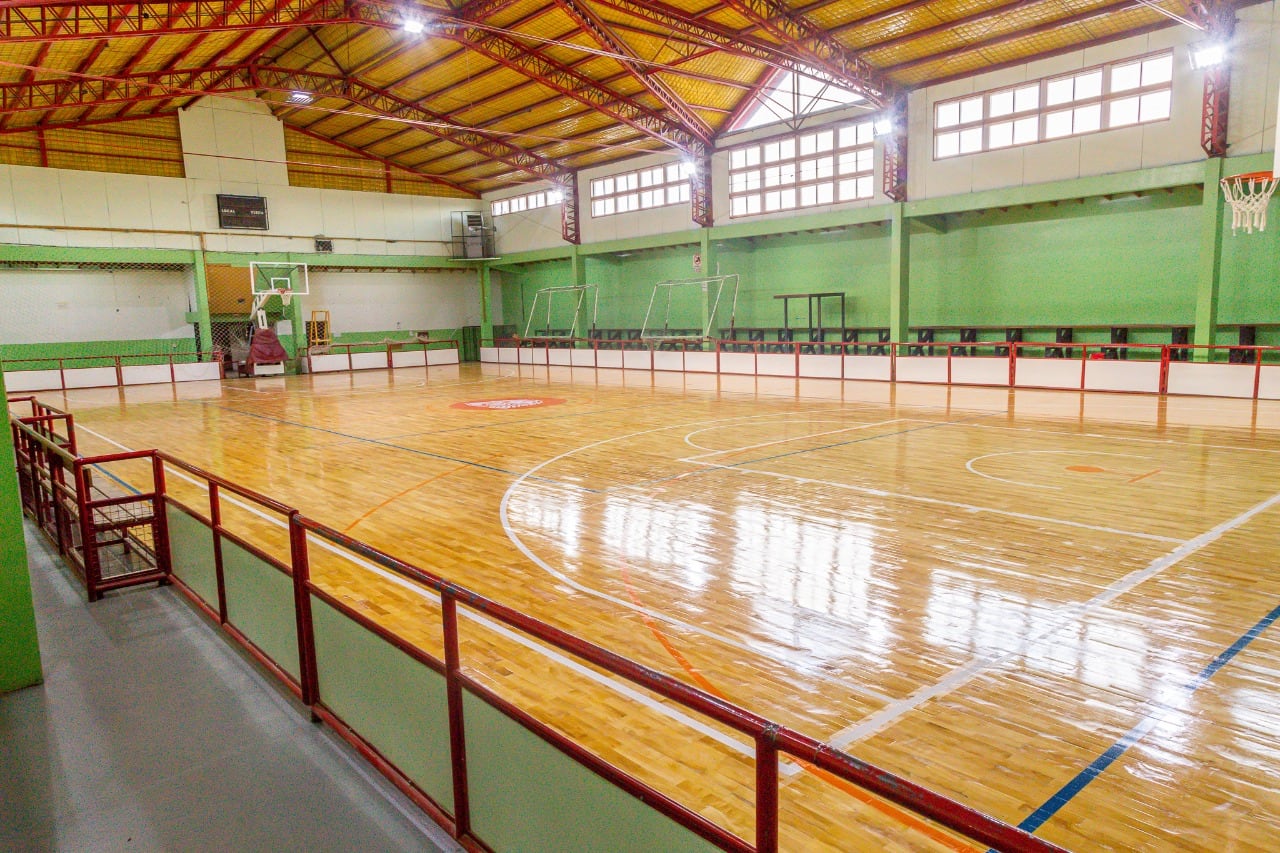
<point x="1083" y="353"/>
<point x="112" y="537"/>
<point x="389" y="348"/>
<point x="74" y="513"/>
<point x="116" y="363"/>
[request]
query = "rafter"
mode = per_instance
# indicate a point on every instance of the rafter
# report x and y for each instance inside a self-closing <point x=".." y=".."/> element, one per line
<point x="838" y="67"/>
<point x="814" y="44"/>
<point x="84" y="19"/>
<point x="593" y="24"/>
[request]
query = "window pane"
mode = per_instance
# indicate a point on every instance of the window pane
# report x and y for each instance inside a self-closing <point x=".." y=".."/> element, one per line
<point x="1026" y="130"/>
<point x="848" y="136"/>
<point x="826" y="193"/>
<point x="771" y="152"/>
<point x="737" y="182"/>
<point x="808" y="196"/>
<point x="1057" y="124"/>
<point x="825" y="140"/>
<point x="848" y="162"/>
<point x="787" y="173"/>
<point x="606" y="186"/>
<point x="1000" y="135"/>
<point x="684" y="192"/>
<point x="1060" y="91"/>
<point x="808" y="144"/>
<point x="738" y="207"/>
<point x="826" y="167"/>
<point x="864" y="159"/>
<point x="788" y="199"/>
<point x="1125" y="77"/>
<point x="646" y="177"/>
<point x="1001" y="104"/>
<point x="754" y="204"/>
<point x="673" y="173"/>
<point x="753" y="180"/>
<point x="970" y="140"/>
<point x="864" y="188"/>
<point x="772" y="176"/>
<point x="1155" y="106"/>
<point x="971" y="110"/>
<point x="771" y="201"/>
<point x="1157" y="70"/>
<point x="737" y="159"/>
<point x="866" y="132"/>
<point x="1124" y="111"/>
<point x="948" y="144"/>
<point x="848" y="190"/>
<point x="1026" y="98"/>
<point x="753" y="156"/>
<point x="787" y="148"/>
<point x="597" y="188"/>
<point x="597" y="208"/>
<point x="948" y="114"/>
<point x="1089" y="85"/>
<point x="1088" y="119"/>
<point x="808" y="170"/>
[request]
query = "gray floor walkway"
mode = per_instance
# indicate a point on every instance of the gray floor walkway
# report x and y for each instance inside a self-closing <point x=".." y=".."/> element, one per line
<point x="151" y="732"/>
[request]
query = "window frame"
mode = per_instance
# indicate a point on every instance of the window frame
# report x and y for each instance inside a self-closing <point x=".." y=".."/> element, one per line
<point x="635" y="189"/>
<point x="526" y="202"/>
<point x="1106" y="96"/>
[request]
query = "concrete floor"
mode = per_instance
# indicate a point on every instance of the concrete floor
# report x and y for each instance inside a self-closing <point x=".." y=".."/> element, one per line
<point x="152" y="732"/>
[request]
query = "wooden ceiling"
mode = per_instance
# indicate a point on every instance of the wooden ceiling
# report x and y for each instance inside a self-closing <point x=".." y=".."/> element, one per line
<point x="496" y="93"/>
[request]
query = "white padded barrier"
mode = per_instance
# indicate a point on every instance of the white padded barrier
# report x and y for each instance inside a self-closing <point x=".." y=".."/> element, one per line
<point x="700" y="362"/>
<point x="201" y="372"/>
<point x="922" y="368"/>
<point x="144" y="374"/>
<point x="443" y="356"/>
<point x="1213" y="380"/>
<point x="608" y="358"/>
<point x="90" y="377"/>
<point x="1115" y="375"/>
<point x="775" y="364"/>
<point x="32" y="380"/>
<point x="874" y="367"/>
<point x="368" y="360"/>
<point x="641" y="360"/>
<point x="741" y="363"/>
<point x="489" y="355"/>
<point x="1048" y="373"/>
<point x="408" y="358"/>
<point x="820" y="366"/>
<point x="979" y="370"/>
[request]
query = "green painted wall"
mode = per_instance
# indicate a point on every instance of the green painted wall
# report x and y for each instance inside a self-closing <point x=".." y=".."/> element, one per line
<point x="147" y="351"/>
<point x="19" y="648"/>
<point x="1079" y="263"/>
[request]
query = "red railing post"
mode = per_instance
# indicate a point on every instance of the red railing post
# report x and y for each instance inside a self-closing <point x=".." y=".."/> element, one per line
<point x="767" y="790"/>
<point x="300" y="568"/>
<point x="1257" y="370"/>
<point x="160" y="523"/>
<point x="215" y="527"/>
<point x="119" y="365"/>
<point x="1013" y="364"/>
<point x="1164" y="369"/>
<point x="88" y="535"/>
<point x="457" y="733"/>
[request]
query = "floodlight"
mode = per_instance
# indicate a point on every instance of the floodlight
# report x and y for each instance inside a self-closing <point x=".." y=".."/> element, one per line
<point x="882" y="127"/>
<point x="1207" y="55"/>
<point x="300" y="97"/>
<point x="413" y="27"/>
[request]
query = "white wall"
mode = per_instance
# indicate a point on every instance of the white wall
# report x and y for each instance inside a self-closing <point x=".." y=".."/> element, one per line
<point x="37" y="306"/>
<point x="1255" y="80"/>
<point x="1143" y="146"/>
<point x="386" y="301"/>
<point x="233" y="141"/>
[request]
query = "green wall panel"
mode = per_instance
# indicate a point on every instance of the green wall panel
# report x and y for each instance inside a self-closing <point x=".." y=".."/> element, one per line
<point x="191" y="547"/>
<point x="1133" y="261"/>
<point x="146" y="351"/>
<point x="527" y="795"/>
<point x="391" y="700"/>
<point x="19" y="648"/>
<point x="260" y="605"/>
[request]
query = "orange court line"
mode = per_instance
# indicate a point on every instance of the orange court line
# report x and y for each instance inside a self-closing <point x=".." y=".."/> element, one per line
<point x="414" y="488"/>
<point x="905" y="818"/>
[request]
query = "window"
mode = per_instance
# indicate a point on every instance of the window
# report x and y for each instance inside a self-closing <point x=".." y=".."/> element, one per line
<point x="530" y="201"/>
<point x="792" y="96"/>
<point x="657" y="186"/>
<point x="1133" y="91"/>
<point x="825" y="166"/>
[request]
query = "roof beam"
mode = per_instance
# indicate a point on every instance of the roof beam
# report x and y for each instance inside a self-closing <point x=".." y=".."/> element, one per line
<point x="815" y="45"/>
<point x="811" y="52"/>
<point x="594" y="25"/>
<point x="26" y="22"/>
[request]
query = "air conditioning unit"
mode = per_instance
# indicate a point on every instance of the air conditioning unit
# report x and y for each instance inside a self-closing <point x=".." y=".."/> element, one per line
<point x="324" y="244"/>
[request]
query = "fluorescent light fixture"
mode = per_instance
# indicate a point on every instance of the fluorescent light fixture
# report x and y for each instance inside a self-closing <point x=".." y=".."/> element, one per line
<point x="1207" y="55"/>
<point x="413" y="27"/>
<point x="300" y="97"/>
<point x="882" y="127"/>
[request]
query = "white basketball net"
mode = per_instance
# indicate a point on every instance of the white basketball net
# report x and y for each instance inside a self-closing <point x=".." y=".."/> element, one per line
<point x="1249" y="196"/>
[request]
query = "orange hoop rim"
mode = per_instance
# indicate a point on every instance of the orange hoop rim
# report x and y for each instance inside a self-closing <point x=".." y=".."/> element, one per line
<point x="1251" y="176"/>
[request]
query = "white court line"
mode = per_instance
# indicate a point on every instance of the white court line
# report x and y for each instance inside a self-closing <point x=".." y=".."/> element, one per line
<point x="1069" y="616"/>
<point x="812" y="481"/>
<point x="740" y="449"/>
<point x="617" y="686"/>
<point x="972" y="470"/>
<point x="1165" y="442"/>
<point x="504" y="516"/>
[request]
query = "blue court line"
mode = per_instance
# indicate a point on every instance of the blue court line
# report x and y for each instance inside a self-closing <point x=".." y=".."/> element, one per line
<point x="104" y="472"/>
<point x="1155" y="715"/>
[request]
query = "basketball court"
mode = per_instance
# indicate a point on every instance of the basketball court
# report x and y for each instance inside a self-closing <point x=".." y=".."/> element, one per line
<point x="1050" y="606"/>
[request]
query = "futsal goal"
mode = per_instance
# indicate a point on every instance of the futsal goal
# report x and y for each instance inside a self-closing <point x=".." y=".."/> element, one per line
<point x="557" y="312"/>
<point x="681" y="309"/>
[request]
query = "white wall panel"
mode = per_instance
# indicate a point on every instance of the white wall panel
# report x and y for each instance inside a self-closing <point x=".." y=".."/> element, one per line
<point x="386" y="301"/>
<point x="37" y="306"/>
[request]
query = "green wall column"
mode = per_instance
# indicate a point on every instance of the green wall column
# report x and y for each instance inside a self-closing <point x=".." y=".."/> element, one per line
<point x="899" y="274"/>
<point x="202" y="302"/>
<point x="19" y="647"/>
<point x="708" y="269"/>
<point x="578" y="269"/>
<point x="1209" y="270"/>
<point x="294" y="313"/>
<point x="486" y="310"/>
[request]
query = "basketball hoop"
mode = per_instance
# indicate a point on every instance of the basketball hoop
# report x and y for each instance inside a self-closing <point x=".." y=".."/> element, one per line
<point x="285" y="296"/>
<point x="1248" y="195"/>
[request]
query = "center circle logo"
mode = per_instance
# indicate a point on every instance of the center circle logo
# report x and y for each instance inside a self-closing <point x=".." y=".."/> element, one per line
<point x="505" y="403"/>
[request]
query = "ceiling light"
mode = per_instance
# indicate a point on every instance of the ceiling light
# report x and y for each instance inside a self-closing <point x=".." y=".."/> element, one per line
<point x="1208" y="54"/>
<point x="882" y="127"/>
<point x="300" y="97"/>
<point x="413" y="27"/>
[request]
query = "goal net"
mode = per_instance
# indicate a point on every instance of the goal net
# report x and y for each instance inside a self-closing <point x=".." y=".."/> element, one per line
<point x="561" y="312"/>
<point x="691" y="307"/>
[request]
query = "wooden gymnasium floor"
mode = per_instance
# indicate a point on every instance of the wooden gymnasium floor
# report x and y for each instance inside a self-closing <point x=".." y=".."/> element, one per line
<point x="1053" y="607"/>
